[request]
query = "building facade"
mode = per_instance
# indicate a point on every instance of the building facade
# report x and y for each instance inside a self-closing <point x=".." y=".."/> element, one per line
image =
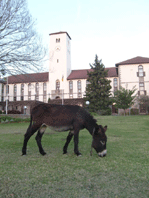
<point x="62" y="82"/>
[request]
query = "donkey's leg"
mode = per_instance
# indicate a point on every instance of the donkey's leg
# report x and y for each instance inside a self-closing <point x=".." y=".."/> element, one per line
<point x="30" y="131"/>
<point x="76" y="141"/>
<point x="69" y="137"/>
<point x="39" y="137"/>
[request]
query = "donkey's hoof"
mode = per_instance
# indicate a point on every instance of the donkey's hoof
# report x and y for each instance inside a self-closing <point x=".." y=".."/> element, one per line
<point x="43" y="153"/>
<point x="79" y="154"/>
<point x="23" y="153"/>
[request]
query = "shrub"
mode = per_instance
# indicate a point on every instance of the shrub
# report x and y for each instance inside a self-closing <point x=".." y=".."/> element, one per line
<point x="49" y="100"/>
<point x="10" y="119"/>
<point x="14" y="112"/>
<point x="5" y="119"/>
<point x="105" y="111"/>
<point x="134" y="111"/>
<point x="2" y="112"/>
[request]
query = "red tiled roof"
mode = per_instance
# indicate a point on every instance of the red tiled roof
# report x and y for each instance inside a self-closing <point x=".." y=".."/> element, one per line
<point x="27" y="78"/>
<point x="136" y="60"/>
<point x="82" y="74"/>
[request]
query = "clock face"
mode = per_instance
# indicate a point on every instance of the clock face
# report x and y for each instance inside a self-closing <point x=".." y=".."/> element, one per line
<point x="58" y="48"/>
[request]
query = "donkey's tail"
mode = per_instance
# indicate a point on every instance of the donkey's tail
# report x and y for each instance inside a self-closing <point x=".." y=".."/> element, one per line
<point x="31" y="121"/>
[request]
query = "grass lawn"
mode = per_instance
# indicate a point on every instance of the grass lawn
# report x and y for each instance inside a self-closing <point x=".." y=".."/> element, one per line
<point x="124" y="172"/>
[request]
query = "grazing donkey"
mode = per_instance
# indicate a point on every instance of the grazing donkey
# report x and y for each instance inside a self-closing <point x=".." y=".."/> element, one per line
<point x="64" y="118"/>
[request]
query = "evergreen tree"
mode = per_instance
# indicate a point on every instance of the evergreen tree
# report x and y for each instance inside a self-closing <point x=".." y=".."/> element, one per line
<point x="98" y="88"/>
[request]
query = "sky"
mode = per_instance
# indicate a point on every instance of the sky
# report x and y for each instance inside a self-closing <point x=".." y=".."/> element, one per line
<point x="115" y="30"/>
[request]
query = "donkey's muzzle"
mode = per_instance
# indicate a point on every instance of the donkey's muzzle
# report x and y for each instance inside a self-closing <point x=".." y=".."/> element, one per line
<point x="103" y="153"/>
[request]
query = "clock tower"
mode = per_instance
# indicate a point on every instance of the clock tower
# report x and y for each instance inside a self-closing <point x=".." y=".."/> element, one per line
<point x="60" y="64"/>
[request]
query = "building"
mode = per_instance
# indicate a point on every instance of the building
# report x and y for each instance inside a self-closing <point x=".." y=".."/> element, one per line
<point x="135" y="72"/>
<point x="62" y="82"/>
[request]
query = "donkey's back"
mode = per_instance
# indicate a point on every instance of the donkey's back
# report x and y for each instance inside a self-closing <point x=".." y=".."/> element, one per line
<point x="58" y="115"/>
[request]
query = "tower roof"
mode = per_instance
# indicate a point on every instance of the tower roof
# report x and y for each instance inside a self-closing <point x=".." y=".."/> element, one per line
<point x="61" y="33"/>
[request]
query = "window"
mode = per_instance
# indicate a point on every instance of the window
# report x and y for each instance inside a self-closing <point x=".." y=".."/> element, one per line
<point x="141" y="88"/>
<point x="37" y="88"/>
<point x="115" y="84"/>
<point x="141" y="75"/>
<point x="79" y="88"/>
<point x="2" y="98"/>
<point x="70" y="85"/>
<point x="70" y="89"/>
<point x="29" y="91"/>
<point x="15" y="89"/>
<point x="44" y="86"/>
<point x="15" y="92"/>
<point x="37" y="91"/>
<point x="7" y="89"/>
<point x="140" y="71"/>
<point x="44" y="91"/>
<point x="22" y="92"/>
<point x="57" y="85"/>
<point x="87" y="83"/>
<point x="58" y="40"/>
<point x="2" y="88"/>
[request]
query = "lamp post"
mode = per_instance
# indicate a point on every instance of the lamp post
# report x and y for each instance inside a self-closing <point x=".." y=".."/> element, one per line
<point x="87" y="104"/>
<point x="62" y="89"/>
<point x="25" y="107"/>
<point x="7" y="97"/>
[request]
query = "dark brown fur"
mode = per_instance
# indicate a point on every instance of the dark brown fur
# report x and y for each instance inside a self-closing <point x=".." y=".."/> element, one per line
<point x="63" y="118"/>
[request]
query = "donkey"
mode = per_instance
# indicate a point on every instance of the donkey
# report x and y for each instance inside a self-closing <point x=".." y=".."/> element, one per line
<point x="64" y="118"/>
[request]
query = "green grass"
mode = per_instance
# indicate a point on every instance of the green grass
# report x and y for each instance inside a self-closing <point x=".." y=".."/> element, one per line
<point x="124" y="172"/>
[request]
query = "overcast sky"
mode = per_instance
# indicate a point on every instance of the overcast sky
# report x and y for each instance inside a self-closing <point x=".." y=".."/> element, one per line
<point x="115" y="30"/>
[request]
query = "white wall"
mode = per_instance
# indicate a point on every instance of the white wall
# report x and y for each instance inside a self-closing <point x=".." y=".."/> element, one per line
<point x="60" y="61"/>
<point x="128" y="76"/>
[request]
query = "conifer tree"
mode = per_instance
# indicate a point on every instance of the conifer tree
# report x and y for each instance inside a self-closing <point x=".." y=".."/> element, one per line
<point x="98" y="88"/>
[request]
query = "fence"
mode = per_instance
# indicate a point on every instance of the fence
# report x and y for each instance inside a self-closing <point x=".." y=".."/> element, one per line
<point x="42" y="97"/>
<point x="24" y="103"/>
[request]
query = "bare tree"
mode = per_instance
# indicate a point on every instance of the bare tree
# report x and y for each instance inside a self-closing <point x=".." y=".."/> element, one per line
<point x="20" y="45"/>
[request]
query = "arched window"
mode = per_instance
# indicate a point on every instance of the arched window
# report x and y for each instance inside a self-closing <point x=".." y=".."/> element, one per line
<point x="140" y="71"/>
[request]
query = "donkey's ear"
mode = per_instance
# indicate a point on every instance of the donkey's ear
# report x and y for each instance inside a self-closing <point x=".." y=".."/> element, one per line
<point x="100" y="128"/>
<point x="105" y="128"/>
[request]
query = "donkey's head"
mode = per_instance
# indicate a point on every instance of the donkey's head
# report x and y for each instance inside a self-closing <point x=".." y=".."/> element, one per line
<point x="100" y="140"/>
